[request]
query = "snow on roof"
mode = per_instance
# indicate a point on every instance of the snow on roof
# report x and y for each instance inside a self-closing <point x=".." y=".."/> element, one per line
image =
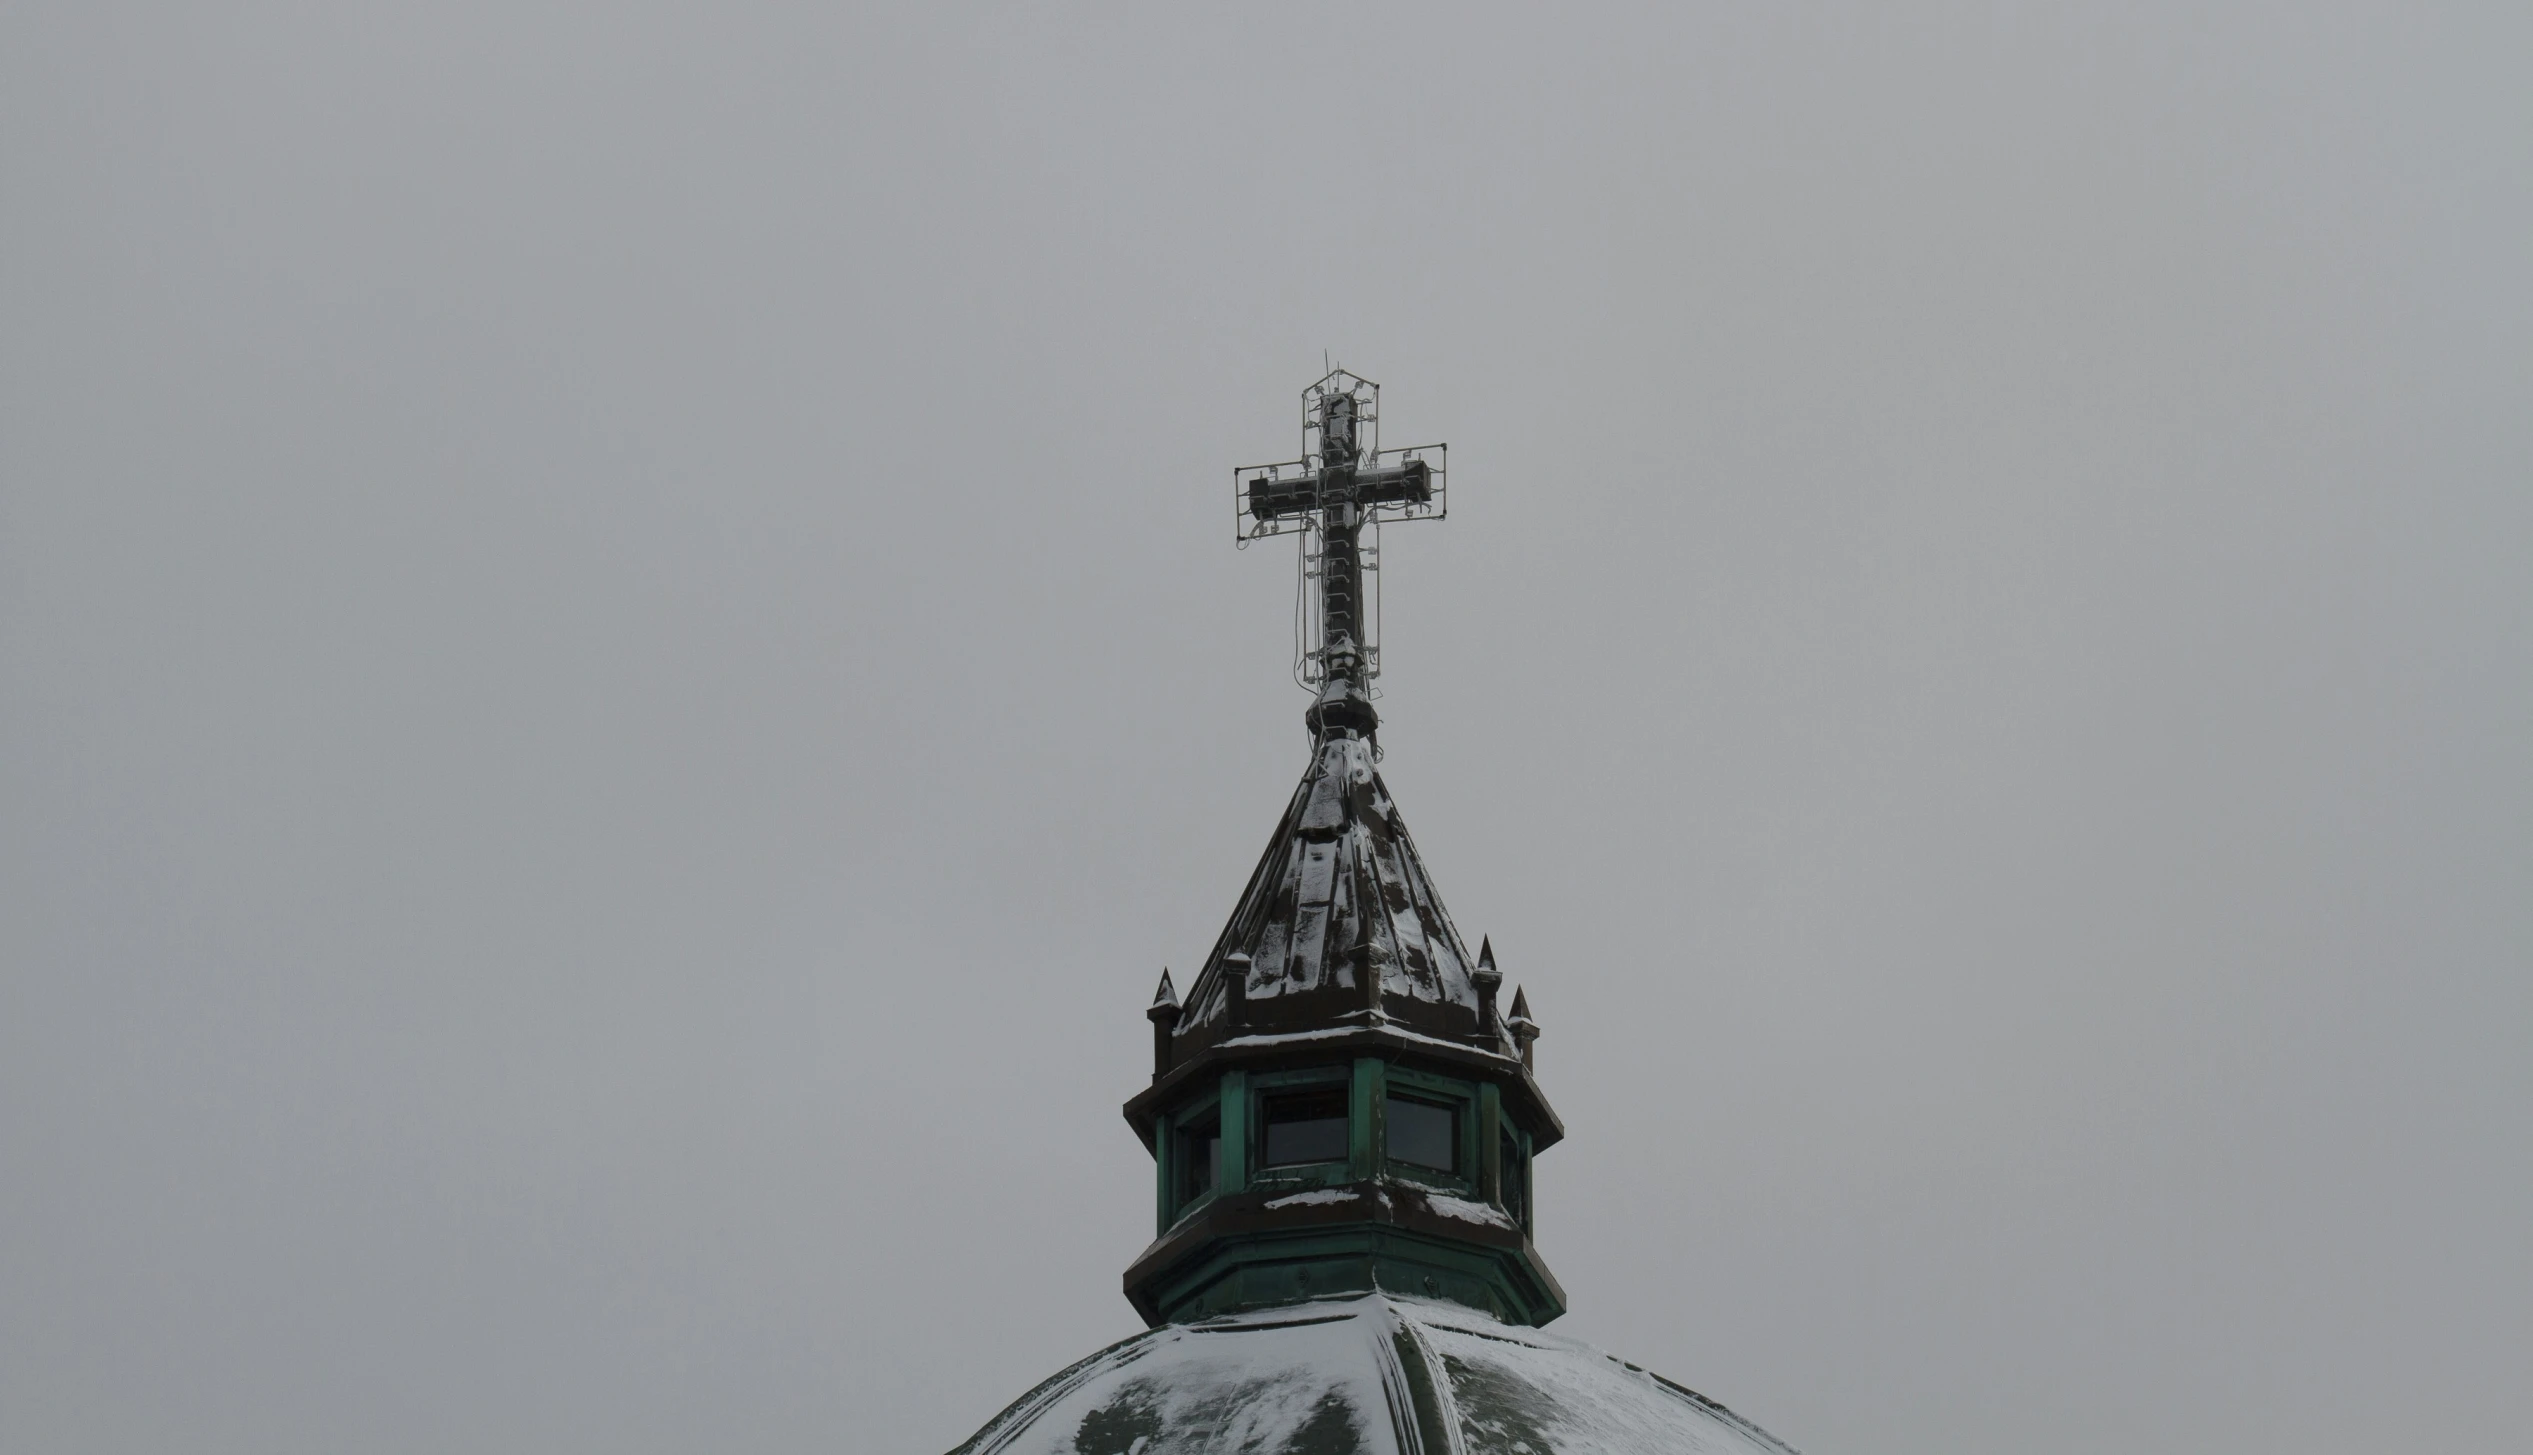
<point x="1374" y="1375"/>
<point x="1339" y="899"/>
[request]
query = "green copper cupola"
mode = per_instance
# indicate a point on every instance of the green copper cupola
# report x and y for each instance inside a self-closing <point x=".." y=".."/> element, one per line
<point x="1337" y="1106"/>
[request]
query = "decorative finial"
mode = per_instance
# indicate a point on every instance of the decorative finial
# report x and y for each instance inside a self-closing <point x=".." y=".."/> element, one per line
<point x="1488" y="980"/>
<point x="1164" y="1015"/>
<point x="1524" y="1029"/>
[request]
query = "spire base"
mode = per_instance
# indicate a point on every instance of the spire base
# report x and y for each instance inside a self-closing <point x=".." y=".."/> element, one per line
<point x="1342" y="707"/>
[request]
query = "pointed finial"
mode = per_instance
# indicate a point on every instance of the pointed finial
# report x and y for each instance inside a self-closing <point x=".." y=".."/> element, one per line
<point x="1164" y="1015"/>
<point x="1488" y="980"/>
<point x="1524" y="1029"/>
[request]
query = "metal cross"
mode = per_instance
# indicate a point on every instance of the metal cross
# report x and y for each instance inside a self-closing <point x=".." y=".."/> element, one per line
<point x="1343" y="482"/>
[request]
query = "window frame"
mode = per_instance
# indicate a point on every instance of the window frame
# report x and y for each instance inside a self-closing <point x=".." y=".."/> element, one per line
<point x="1264" y="1089"/>
<point x="1206" y="1108"/>
<point x="1461" y="1098"/>
<point x="1512" y="1172"/>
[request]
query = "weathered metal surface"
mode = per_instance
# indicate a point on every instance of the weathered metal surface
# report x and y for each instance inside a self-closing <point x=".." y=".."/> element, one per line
<point x="1340" y="924"/>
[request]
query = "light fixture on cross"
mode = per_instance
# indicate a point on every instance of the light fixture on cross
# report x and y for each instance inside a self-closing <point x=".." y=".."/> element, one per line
<point x="1344" y="482"/>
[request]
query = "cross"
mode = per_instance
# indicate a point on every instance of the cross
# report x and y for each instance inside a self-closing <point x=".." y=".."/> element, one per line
<point x="1343" y="482"/>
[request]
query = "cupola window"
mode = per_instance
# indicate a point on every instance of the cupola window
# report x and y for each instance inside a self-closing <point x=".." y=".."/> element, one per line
<point x="1423" y="1134"/>
<point x="1305" y="1126"/>
<point x="1514" y="1169"/>
<point x="1200" y="1153"/>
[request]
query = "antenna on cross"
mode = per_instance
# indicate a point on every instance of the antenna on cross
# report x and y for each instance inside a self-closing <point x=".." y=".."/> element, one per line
<point x="1344" y="483"/>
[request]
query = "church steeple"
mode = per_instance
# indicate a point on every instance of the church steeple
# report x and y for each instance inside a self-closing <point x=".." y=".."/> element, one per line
<point x="1336" y="1106"/>
<point x="1339" y="1115"/>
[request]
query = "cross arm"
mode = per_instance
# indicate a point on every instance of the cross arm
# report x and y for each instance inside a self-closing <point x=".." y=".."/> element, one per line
<point x="1406" y="482"/>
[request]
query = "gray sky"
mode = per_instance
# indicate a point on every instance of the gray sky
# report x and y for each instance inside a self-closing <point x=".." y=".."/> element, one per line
<point x="620" y="659"/>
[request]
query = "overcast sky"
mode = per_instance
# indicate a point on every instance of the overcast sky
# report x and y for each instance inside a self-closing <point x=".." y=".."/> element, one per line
<point x="621" y="659"/>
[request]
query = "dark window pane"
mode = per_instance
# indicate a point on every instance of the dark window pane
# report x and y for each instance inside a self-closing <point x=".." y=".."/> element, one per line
<point x="1199" y="1158"/>
<point x="1516" y="1178"/>
<point x="1424" y="1134"/>
<point x="1306" y="1126"/>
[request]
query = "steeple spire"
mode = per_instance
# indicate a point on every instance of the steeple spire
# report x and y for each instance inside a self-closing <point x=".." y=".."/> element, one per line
<point x="1335" y="1106"/>
<point x="1339" y="1117"/>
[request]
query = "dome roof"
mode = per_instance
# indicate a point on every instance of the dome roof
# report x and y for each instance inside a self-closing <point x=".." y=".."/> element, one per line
<point x="1374" y="1375"/>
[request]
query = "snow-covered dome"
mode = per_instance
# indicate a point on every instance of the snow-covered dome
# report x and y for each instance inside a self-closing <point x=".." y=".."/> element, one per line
<point x="1374" y="1375"/>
